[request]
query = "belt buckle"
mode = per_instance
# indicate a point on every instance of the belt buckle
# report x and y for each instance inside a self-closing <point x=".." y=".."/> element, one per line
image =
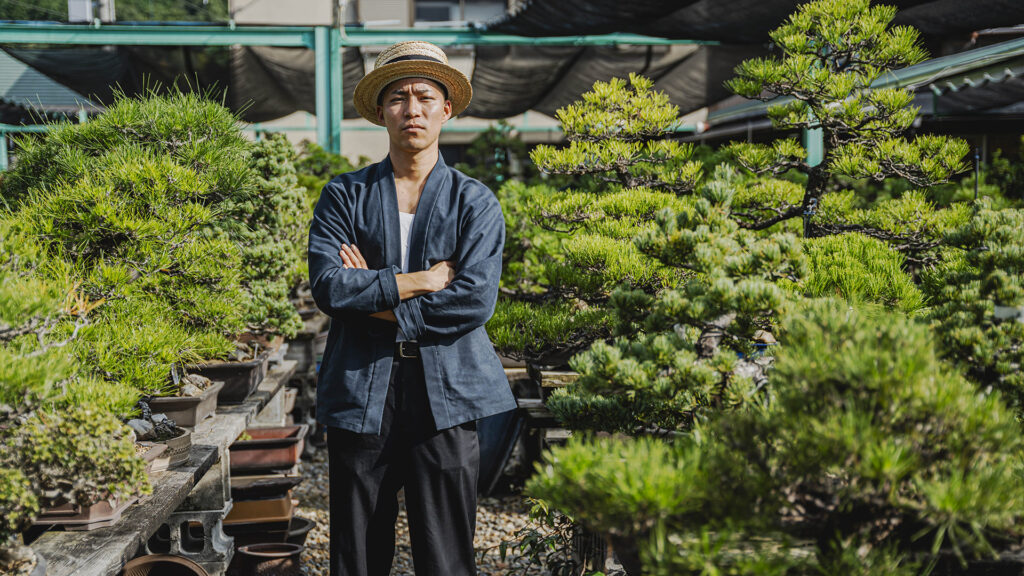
<point x="401" y="351"/>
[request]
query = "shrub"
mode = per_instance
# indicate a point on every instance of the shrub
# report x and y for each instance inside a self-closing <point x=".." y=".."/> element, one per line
<point x="870" y="448"/>
<point x="861" y="270"/>
<point x="78" y="454"/>
<point x="977" y="294"/>
<point x="829" y="52"/>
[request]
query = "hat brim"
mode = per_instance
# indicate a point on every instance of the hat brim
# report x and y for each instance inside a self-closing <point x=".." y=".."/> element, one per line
<point x="460" y="92"/>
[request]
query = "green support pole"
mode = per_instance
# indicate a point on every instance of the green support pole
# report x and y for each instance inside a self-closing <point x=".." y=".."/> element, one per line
<point x="323" y="86"/>
<point x="336" y="94"/>
<point x="814" y="144"/>
<point x="3" y="151"/>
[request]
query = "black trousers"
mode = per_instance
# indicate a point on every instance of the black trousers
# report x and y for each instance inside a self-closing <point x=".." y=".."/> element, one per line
<point x="438" y="470"/>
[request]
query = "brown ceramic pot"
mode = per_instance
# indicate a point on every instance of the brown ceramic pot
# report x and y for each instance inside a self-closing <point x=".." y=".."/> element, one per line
<point x="188" y="411"/>
<point x="273" y="559"/>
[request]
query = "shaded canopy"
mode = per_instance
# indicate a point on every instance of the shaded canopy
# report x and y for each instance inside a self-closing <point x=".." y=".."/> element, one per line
<point x="731" y="21"/>
<point x="511" y="80"/>
<point x="262" y="82"/>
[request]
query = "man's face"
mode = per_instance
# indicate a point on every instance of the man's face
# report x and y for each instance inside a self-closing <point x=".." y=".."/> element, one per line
<point x="413" y="110"/>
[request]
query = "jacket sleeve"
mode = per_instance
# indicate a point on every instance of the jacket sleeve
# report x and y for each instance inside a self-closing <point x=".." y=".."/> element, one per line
<point x="468" y="301"/>
<point x="337" y="290"/>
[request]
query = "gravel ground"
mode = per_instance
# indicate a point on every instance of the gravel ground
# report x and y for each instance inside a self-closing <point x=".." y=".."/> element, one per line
<point x="497" y="519"/>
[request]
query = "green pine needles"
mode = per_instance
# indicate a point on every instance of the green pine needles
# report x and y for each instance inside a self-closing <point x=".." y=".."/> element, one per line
<point x="830" y="53"/>
<point x="161" y="208"/>
<point x="575" y="244"/>
<point x="870" y="457"/>
<point x="978" y="296"/>
<point x="689" y="350"/>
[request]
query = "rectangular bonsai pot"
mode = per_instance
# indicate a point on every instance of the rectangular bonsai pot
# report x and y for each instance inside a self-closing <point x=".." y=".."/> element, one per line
<point x="81" y="518"/>
<point x="278" y="509"/>
<point x="270" y="449"/>
<point x="188" y="411"/>
<point x="262" y="486"/>
<point x="240" y="378"/>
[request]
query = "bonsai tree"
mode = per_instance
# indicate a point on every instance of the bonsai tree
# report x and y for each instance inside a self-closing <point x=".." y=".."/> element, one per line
<point x="187" y="155"/>
<point x="870" y="456"/>
<point x="690" y="349"/>
<point x="60" y="435"/>
<point x="18" y="506"/>
<point x="977" y="296"/>
<point x="496" y="156"/>
<point x="270" y="228"/>
<point x="163" y="208"/>
<point x="830" y="52"/>
<point x="628" y="170"/>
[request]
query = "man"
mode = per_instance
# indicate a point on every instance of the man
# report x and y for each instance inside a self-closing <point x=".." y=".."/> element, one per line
<point x="405" y="256"/>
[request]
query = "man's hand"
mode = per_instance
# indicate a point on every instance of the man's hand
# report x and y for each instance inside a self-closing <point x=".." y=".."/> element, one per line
<point x="410" y="285"/>
<point x="351" y="258"/>
<point x="439" y="276"/>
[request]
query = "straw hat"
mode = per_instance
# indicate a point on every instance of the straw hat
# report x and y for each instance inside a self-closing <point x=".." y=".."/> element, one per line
<point x="414" y="59"/>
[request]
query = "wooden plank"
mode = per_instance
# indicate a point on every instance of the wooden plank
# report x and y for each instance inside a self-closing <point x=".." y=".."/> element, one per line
<point x="104" y="551"/>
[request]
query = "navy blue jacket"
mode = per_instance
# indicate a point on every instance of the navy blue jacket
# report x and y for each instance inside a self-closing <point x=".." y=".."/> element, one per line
<point x="457" y="219"/>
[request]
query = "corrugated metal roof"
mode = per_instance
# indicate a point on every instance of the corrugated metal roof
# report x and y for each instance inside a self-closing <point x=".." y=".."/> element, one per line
<point x="28" y="88"/>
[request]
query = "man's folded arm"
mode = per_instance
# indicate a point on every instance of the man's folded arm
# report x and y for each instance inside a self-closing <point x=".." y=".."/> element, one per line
<point x="468" y="301"/>
<point x="336" y="289"/>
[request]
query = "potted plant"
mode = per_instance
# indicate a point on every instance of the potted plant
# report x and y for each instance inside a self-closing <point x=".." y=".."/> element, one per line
<point x="197" y="250"/>
<point x="81" y="464"/>
<point x="978" y="293"/>
<point x="19" y="506"/>
<point x="196" y="401"/>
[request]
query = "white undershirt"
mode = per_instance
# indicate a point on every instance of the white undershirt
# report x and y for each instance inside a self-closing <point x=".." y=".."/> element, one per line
<point x="405" y="220"/>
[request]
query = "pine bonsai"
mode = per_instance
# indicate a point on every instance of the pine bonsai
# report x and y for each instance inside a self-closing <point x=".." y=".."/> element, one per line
<point x="60" y="437"/>
<point x="871" y="456"/>
<point x="270" y="228"/>
<point x="161" y="207"/>
<point x="977" y="296"/>
<point x="497" y="156"/>
<point x="627" y="168"/>
<point x="831" y="51"/>
<point x="692" y="349"/>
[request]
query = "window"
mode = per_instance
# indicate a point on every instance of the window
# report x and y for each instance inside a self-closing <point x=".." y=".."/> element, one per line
<point x="436" y="11"/>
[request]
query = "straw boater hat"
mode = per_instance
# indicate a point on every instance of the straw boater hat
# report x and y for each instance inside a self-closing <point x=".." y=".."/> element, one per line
<point x="414" y="59"/>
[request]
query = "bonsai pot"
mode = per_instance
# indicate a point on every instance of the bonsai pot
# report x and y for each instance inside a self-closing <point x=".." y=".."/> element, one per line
<point x="245" y="533"/>
<point x="260" y="521"/>
<point x="163" y="565"/>
<point x="299" y="529"/>
<point x="262" y="486"/>
<point x="277" y="559"/>
<point x="81" y="518"/>
<point x="270" y="449"/>
<point x="178" y="449"/>
<point x="240" y="378"/>
<point x="264" y="510"/>
<point x="188" y="411"/>
<point x="152" y="452"/>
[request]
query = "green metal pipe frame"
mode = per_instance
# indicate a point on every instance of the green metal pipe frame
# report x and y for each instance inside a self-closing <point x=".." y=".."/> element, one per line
<point x="326" y="41"/>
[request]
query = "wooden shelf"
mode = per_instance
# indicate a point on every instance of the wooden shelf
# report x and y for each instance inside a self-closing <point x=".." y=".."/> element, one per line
<point x="104" y="551"/>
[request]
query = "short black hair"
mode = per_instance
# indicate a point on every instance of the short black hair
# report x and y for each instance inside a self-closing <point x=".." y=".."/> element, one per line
<point x="444" y="89"/>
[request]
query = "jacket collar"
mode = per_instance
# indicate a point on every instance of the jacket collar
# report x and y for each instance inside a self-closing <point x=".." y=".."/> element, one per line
<point x="437" y="181"/>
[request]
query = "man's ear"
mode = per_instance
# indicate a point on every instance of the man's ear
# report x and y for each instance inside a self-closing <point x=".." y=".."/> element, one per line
<point x="380" y="114"/>
<point x="447" y="110"/>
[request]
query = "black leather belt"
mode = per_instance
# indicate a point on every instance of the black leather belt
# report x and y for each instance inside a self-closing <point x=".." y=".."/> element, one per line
<point x="407" y="350"/>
